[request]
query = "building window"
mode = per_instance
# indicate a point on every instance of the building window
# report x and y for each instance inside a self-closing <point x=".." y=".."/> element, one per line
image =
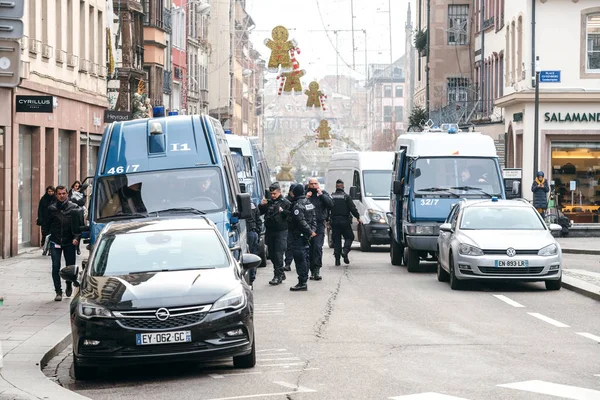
<point x="458" y="17"/>
<point x="387" y="91"/>
<point x="387" y="113"/>
<point x="457" y="90"/>
<point x="399" y="113"/>
<point x="593" y="43"/>
<point x="64" y="155"/>
<point x="398" y="91"/>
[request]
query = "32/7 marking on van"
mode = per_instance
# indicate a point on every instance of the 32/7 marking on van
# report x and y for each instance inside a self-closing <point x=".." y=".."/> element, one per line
<point x="429" y="202"/>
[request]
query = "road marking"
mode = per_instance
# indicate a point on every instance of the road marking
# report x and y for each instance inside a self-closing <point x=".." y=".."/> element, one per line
<point x="589" y="336"/>
<point x="548" y="320"/>
<point x="555" y="389"/>
<point x="286" y="365"/>
<point x="301" y="370"/>
<point x="427" y="396"/>
<point x="507" y="300"/>
<point x="280" y="359"/>
<point x="297" y="389"/>
<point x="221" y="376"/>
<point x="262" y="351"/>
<point x="276" y="354"/>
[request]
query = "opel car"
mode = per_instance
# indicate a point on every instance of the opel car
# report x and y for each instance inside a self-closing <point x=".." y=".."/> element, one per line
<point x="498" y="239"/>
<point x="159" y="290"/>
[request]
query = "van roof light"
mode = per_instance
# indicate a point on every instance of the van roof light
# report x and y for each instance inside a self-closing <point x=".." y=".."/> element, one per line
<point x="155" y="128"/>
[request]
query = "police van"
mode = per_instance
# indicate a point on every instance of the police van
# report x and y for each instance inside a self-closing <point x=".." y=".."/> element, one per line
<point x="367" y="176"/>
<point x="166" y="167"/>
<point x="432" y="171"/>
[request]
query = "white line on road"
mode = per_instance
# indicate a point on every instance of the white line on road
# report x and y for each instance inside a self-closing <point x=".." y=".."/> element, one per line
<point x="589" y="336"/>
<point x="427" y="396"/>
<point x="262" y="351"/>
<point x="280" y="359"/>
<point x="286" y="365"/>
<point x="301" y="370"/>
<point x="297" y="389"/>
<point x="555" y="389"/>
<point x="548" y="320"/>
<point x="507" y="300"/>
<point x="221" y="376"/>
<point x="275" y="354"/>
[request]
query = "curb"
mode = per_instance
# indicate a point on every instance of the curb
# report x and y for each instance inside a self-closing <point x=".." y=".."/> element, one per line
<point x="581" y="251"/>
<point x="581" y="287"/>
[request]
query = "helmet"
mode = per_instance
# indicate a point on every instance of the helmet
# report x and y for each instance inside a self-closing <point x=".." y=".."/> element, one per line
<point x="540" y="173"/>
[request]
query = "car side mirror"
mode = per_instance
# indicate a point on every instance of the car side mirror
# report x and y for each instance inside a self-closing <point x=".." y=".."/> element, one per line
<point x="250" y="261"/>
<point x="555" y="227"/>
<point x="397" y="188"/>
<point x="354" y="194"/>
<point x="244" y="203"/>
<point x="446" y="227"/>
<point x="417" y="172"/>
<point x="69" y="274"/>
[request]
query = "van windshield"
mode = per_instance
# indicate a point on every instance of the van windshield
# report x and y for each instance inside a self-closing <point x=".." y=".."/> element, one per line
<point x="141" y="194"/>
<point x="377" y="183"/>
<point x="452" y="173"/>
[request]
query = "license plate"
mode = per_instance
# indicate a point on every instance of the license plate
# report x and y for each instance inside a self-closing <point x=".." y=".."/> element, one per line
<point x="512" y="263"/>
<point x="142" y="339"/>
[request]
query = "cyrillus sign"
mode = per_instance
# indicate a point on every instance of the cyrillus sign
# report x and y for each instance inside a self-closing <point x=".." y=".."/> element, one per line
<point x="41" y="104"/>
<point x="572" y="117"/>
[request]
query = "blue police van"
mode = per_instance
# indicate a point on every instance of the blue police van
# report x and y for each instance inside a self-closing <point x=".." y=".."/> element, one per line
<point x="166" y="167"/>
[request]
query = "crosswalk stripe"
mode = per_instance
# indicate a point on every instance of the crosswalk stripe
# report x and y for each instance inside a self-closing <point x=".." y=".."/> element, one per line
<point x="508" y="301"/>
<point x="427" y="396"/>
<point x="589" y="336"/>
<point x="548" y="320"/>
<point x="555" y="389"/>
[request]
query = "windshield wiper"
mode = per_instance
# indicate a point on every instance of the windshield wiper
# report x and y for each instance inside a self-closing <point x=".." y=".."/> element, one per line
<point x="467" y="188"/>
<point x="166" y="270"/>
<point x="180" y="209"/>
<point x="437" y="189"/>
<point x="122" y="215"/>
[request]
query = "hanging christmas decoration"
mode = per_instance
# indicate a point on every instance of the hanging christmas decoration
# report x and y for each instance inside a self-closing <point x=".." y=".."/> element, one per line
<point x="292" y="83"/>
<point x="316" y="98"/>
<point x="323" y="137"/>
<point x="280" y="49"/>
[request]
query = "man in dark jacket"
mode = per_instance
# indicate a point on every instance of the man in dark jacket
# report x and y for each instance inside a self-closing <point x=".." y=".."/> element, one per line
<point x="253" y="230"/>
<point x="42" y="217"/>
<point x="322" y="202"/>
<point x="276" y="211"/>
<point x="63" y="240"/>
<point x="303" y="225"/>
<point x="289" y="252"/>
<point x="341" y="222"/>
<point x="540" y="190"/>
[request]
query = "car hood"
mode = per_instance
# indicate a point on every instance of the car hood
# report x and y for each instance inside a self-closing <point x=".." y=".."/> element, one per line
<point x="501" y="240"/>
<point x="160" y="289"/>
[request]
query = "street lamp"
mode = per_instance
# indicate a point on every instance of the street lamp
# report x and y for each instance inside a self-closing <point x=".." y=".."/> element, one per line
<point x="536" y="124"/>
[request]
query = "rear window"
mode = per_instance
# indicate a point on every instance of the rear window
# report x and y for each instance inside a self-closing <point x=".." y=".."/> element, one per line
<point x="139" y="252"/>
<point x="501" y="218"/>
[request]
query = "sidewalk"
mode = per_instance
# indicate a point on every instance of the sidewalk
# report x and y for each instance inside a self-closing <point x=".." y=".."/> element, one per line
<point x="33" y="328"/>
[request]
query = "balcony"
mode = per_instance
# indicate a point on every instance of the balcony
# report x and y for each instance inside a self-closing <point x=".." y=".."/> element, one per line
<point x="47" y="51"/>
<point x="168" y="20"/>
<point x="488" y="22"/>
<point x="85" y="66"/>
<point x="61" y="57"/>
<point x="72" y="60"/>
<point x="35" y="46"/>
<point x="500" y="21"/>
<point x="167" y="82"/>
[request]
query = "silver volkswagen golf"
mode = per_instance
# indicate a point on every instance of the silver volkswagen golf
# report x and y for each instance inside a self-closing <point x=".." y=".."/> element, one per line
<point x="498" y="239"/>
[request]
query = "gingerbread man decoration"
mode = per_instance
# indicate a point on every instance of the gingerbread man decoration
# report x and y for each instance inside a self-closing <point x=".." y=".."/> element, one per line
<point x="280" y="49"/>
<point x="324" y="136"/>
<point x="314" y="95"/>
<point x="292" y="81"/>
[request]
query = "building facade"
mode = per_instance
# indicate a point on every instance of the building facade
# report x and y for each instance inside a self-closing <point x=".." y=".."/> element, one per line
<point x="220" y="62"/>
<point x="157" y="25"/>
<point x="197" y="57"/>
<point x="51" y="140"/>
<point x="569" y="95"/>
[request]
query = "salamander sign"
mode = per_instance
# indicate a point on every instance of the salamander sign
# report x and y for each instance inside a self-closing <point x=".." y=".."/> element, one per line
<point x="572" y="117"/>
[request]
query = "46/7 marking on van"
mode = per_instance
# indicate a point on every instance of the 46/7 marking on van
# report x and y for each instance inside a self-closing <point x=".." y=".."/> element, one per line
<point x="429" y="202"/>
<point x="123" y="170"/>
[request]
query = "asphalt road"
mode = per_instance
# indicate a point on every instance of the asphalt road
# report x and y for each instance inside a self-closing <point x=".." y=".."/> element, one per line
<point x="371" y="330"/>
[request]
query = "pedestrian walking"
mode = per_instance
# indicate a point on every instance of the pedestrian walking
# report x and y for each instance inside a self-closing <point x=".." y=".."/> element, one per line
<point x="540" y="189"/>
<point x="323" y="203"/>
<point x="276" y="211"/>
<point x="42" y="216"/>
<point x="289" y="252"/>
<point x="77" y="196"/>
<point x="62" y="217"/>
<point x="341" y="222"/>
<point x="253" y="230"/>
<point x="303" y="226"/>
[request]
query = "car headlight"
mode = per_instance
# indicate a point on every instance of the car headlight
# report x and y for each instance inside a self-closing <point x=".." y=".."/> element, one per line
<point x="376" y="216"/>
<point x="550" y="250"/>
<point x="421" y="230"/>
<point x="468" y="250"/>
<point x="231" y="301"/>
<point x="86" y="309"/>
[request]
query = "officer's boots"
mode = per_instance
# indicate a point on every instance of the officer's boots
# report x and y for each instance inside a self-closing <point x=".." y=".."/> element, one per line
<point x="300" y="286"/>
<point x="337" y="261"/>
<point x="346" y="259"/>
<point x="276" y="280"/>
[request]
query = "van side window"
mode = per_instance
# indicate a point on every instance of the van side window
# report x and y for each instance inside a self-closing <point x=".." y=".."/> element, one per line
<point x="232" y="181"/>
<point x="356" y="181"/>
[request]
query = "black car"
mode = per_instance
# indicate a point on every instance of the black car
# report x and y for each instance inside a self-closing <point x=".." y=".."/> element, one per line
<point x="160" y="290"/>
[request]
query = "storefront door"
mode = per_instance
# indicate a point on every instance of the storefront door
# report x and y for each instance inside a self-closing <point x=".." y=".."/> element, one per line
<point x="25" y="186"/>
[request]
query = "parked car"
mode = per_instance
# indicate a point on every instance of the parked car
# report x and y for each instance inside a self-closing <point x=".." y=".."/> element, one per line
<point x="498" y="239"/>
<point x="157" y="290"/>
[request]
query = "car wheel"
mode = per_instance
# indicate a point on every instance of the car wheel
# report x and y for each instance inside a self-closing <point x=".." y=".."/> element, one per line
<point x="554" y="285"/>
<point x="412" y="260"/>
<point x="365" y="246"/>
<point x="404" y="256"/>
<point x="455" y="284"/>
<point x="442" y="275"/>
<point x="81" y="373"/>
<point x="247" y="361"/>
<point x="396" y="252"/>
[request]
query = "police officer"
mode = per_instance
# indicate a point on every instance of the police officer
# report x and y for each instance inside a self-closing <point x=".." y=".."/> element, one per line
<point x="303" y="225"/>
<point x="322" y="202"/>
<point x="341" y="221"/>
<point x="276" y="211"/>
<point x="289" y="252"/>
<point x="253" y="230"/>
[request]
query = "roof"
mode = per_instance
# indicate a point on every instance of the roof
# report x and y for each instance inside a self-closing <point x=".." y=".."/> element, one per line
<point x="159" y="224"/>
<point x="373" y="159"/>
<point x="239" y="142"/>
<point x="487" y="203"/>
<point x="440" y="144"/>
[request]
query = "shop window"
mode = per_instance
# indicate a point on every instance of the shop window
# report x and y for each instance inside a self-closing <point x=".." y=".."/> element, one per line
<point x="64" y="151"/>
<point x="576" y="176"/>
<point x="25" y="186"/>
<point x="593" y="43"/>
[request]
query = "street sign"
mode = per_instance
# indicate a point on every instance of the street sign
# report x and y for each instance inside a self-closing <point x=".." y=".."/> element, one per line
<point x="12" y="9"/>
<point x="117" y="116"/>
<point x="550" y="76"/>
<point x="10" y="63"/>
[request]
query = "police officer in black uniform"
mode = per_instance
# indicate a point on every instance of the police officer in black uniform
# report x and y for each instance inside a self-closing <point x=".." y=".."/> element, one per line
<point x="289" y="252"/>
<point x="322" y="202"/>
<point x="303" y="225"/>
<point x="253" y="230"/>
<point x="276" y="211"/>
<point x="341" y="222"/>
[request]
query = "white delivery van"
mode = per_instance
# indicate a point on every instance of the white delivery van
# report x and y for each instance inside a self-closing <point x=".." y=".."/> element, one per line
<point x="367" y="179"/>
